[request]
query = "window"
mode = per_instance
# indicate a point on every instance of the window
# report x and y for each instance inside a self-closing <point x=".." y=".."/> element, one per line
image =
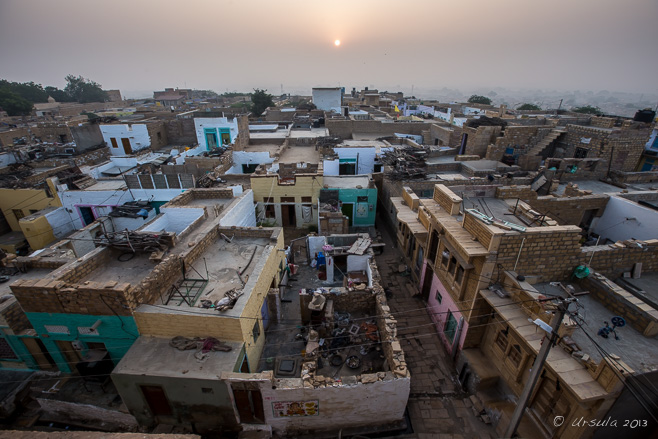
<point x="87" y="330"/>
<point x="515" y="355"/>
<point x="347" y="167"/>
<point x="452" y="265"/>
<point x="6" y="352"/>
<point x="460" y="275"/>
<point x="307" y="199"/>
<point x="362" y="199"/>
<point x="581" y="153"/>
<point x="287" y="199"/>
<point x="269" y="211"/>
<point x="268" y="200"/>
<point x="439" y="297"/>
<point x="445" y="257"/>
<point x="450" y="327"/>
<point x="18" y="213"/>
<point x="57" y="329"/>
<point x="501" y="340"/>
<point x="256" y="331"/>
<point x="377" y="167"/>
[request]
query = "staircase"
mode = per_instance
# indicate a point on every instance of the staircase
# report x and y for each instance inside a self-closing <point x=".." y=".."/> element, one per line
<point x="545" y="142"/>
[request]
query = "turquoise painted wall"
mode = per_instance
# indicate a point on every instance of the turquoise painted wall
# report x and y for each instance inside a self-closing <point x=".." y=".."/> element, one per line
<point x="363" y="213"/>
<point x="24" y="357"/>
<point x="117" y="333"/>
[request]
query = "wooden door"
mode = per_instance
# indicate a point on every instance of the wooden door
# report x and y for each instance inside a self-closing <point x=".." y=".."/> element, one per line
<point x="39" y="353"/>
<point x="157" y="400"/>
<point x="126" y="146"/>
<point x="72" y="355"/>
<point x="427" y="283"/>
<point x="250" y="406"/>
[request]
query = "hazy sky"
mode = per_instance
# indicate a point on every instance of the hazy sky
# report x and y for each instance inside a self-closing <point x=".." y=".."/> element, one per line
<point x="144" y="45"/>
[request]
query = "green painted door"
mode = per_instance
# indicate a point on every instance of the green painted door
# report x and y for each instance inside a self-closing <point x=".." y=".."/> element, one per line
<point x="211" y="138"/>
<point x="348" y="211"/>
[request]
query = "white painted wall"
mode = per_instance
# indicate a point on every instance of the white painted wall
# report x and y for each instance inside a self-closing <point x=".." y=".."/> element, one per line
<point x="248" y="158"/>
<point x="201" y="123"/>
<point x="315" y="244"/>
<point x="366" y="158"/>
<point x="123" y="223"/>
<point x="472" y="110"/>
<point x="330" y="167"/>
<point x="61" y="222"/>
<point x="328" y="99"/>
<point x="173" y="219"/>
<point x="6" y="159"/>
<point x="137" y="133"/>
<point x="357" y="262"/>
<point x="615" y="225"/>
<point x="242" y="213"/>
<point x="347" y="406"/>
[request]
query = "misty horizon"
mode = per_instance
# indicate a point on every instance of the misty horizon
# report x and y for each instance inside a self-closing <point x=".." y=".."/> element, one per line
<point x="288" y="46"/>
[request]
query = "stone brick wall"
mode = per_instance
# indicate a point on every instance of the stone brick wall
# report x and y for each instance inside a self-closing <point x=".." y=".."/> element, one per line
<point x="637" y="314"/>
<point x="91" y="298"/>
<point x="550" y="252"/>
<point x="633" y="177"/>
<point x="569" y="210"/>
<point x="615" y="259"/>
<point x="603" y="122"/>
<point x="16" y="318"/>
<point x="446" y="135"/>
<point x="523" y="192"/>
<point x="94" y="157"/>
<point x="181" y="132"/>
<point x="483" y="232"/>
<point x="345" y="128"/>
<point x="517" y="137"/>
<point x="480" y="138"/>
<point x="84" y="266"/>
<point x="447" y="199"/>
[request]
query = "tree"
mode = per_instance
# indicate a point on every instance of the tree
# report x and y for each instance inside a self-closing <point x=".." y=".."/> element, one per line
<point x="260" y="101"/>
<point x="14" y="104"/>
<point x="29" y="91"/>
<point x="587" y="109"/>
<point x="528" y="107"/>
<point x="58" y="95"/>
<point x="84" y="90"/>
<point x="477" y="99"/>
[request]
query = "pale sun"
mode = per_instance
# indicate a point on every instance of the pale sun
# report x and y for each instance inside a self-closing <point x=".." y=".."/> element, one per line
<point x="337" y="43"/>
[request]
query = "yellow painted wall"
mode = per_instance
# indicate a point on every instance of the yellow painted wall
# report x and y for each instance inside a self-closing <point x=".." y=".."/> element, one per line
<point x="38" y="232"/>
<point x="251" y="312"/>
<point x="162" y="324"/>
<point x="25" y="200"/>
<point x="305" y="186"/>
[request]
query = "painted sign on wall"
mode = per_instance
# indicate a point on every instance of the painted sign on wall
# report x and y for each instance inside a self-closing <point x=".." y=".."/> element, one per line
<point x="284" y="409"/>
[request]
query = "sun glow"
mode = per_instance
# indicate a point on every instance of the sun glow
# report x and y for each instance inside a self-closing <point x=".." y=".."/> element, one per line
<point x="337" y="43"/>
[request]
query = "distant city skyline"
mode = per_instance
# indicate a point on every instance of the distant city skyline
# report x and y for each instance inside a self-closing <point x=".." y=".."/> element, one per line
<point x="240" y="45"/>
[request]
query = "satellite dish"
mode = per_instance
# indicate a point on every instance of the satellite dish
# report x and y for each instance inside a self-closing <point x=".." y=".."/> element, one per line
<point x="618" y="321"/>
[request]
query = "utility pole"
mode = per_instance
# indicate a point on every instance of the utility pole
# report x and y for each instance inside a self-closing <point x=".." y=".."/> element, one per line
<point x="537" y="367"/>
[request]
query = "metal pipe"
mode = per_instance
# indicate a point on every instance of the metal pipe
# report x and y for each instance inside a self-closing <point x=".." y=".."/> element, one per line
<point x="519" y="255"/>
<point x="589" y="264"/>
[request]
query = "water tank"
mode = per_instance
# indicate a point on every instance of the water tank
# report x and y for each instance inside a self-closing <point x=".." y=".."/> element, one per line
<point x="647" y="115"/>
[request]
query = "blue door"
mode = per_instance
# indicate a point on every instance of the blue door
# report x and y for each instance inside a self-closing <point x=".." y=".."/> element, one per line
<point x="265" y="314"/>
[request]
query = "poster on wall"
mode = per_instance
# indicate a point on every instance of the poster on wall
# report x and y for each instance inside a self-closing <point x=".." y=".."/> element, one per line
<point x="285" y="409"/>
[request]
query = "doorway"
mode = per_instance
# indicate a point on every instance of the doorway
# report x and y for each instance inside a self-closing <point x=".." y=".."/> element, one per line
<point x="288" y="215"/>
<point x="39" y="353"/>
<point x="225" y="136"/>
<point x="126" y="146"/>
<point x="211" y="139"/>
<point x="427" y="283"/>
<point x="250" y="406"/>
<point x="348" y="211"/>
<point x="157" y="400"/>
<point x="71" y="354"/>
<point x="87" y="215"/>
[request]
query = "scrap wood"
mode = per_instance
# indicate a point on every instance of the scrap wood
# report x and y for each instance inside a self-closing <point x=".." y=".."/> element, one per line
<point x="229" y="300"/>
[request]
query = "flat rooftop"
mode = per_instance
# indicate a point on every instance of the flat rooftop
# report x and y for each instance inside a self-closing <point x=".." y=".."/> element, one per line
<point x="313" y="132"/>
<point x="220" y="264"/>
<point x="496" y="207"/>
<point x="281" y="133"/>
<point x="647" y="282"/>
<point x="298" y="154"/>
<point x="131" y="270"/>
<point x="597" y="187"/>
<point x="347" y="182"/>
<point x="361" y="143"/>
<point x="271" y="148"/>
<point x="636" y="350"/>
<point x="153" y="356"/>
<point x="107" y="185"/>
